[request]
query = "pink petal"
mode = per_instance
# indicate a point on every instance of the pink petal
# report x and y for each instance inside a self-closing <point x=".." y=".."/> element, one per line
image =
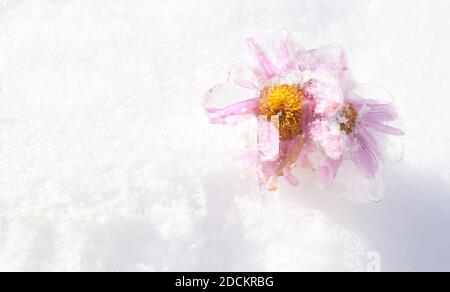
<point x="268" y="69"/>
<point x="268" y="138"/>
<point x="366" y="163"/>
<point x="368" y="141"/>
<point x="376" y="115"/>
<point x="366" y="157"/>
<point x="383" y="128"/>
<point x="234" y="113"/>
<point x="303" y="159"/>
<point x="268" y="175"/>
<point x="378" y="111"/>
<point x="290" y="178"/>
<point x="328" y="171"/>
<point x="285" y="54"/>
<point x="229" y="103"/>
<point x="271" y="170"/>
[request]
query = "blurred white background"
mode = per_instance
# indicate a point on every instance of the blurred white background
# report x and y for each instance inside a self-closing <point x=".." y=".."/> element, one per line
<point x="107" y="161"/>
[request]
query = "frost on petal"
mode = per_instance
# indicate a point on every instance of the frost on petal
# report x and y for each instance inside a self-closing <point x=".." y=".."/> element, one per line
<point x="328" y="96"/>
<point x="328" y="137"/>
<point x="229" y="103"/>
<point x="268" y="70"/>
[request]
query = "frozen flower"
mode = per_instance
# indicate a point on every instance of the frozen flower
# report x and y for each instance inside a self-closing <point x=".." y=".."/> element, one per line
<point x="363" y="123"/>
<point x="284" y="93"/>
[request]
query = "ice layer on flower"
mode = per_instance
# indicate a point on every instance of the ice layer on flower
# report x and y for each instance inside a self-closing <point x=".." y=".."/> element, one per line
<point x="308" y="110"/>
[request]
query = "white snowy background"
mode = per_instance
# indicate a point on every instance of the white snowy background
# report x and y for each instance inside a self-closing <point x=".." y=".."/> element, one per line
<point x="107" y="162"/>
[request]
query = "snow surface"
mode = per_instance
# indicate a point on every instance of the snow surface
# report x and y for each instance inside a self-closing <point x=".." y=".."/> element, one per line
<point x="107" y="161"/>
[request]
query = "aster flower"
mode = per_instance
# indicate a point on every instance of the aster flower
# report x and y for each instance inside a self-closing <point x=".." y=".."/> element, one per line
<point x="359" y="129"/>
<point x="281" y="93"/>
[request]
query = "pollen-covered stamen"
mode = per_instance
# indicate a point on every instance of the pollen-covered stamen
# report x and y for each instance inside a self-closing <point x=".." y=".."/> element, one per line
<point x="350" y="116"/>
<point x="285" y="101"/>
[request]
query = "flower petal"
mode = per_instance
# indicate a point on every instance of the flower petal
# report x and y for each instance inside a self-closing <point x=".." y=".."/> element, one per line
<point x="366" y="156"/>
<point x="290" y="178"/>
<point x="268" y="176"/>
<point x="286" y="54"/>
<point x="234" y="113"/>
<point x="375" y="111"/>
<point x="231" y="103"/>
<point x="268" y="138"/>
<point x="328" y="170"/>
<point x="303" y="159"/>
<point x="369" y="141"/>
<point x="377" y="126"/>
<point x="288" y="156"/>
<point x="268" y="70"/>
<point x="366" y="163"/>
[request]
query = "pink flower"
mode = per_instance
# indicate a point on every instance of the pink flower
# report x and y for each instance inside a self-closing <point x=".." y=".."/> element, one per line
<point x="301" y="100"/>
<point x="363" y="122"/>
<point x="276" y="92"/>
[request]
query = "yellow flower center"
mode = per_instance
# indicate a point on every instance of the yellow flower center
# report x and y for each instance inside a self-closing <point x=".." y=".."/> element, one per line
<point x="350" y="113"/>
<point x="286" y="102"/>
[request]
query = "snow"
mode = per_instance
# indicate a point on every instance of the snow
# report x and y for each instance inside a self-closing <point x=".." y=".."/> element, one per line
<point x="107" y="162"/>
